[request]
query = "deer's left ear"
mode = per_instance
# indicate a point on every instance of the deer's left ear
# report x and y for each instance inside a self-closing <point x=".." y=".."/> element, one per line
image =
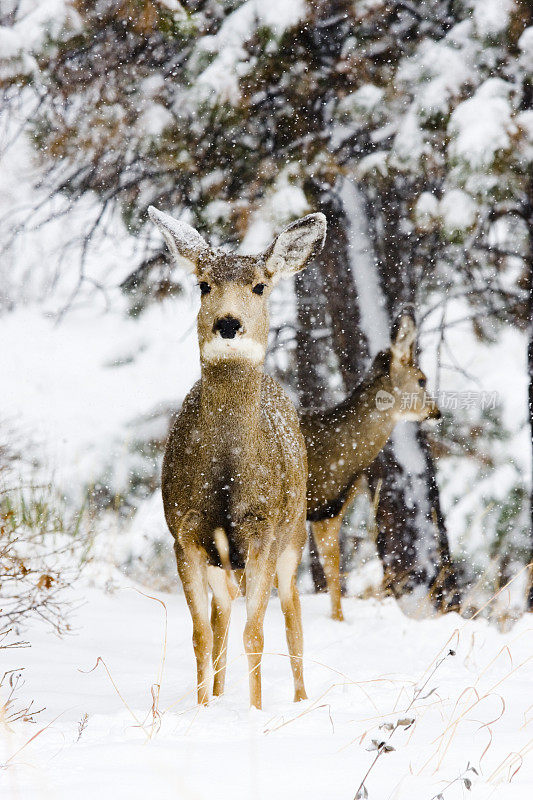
<point x="184" y="242"/>
<point x="295" y="246"/>
<point x="403" y="336"/>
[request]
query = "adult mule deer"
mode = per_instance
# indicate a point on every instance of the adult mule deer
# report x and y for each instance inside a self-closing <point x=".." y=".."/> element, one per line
<point x="235" y="468"/>
<point x="343" y="440"/>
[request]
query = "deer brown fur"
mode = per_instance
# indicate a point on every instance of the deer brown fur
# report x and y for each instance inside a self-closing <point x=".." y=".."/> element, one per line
<point x="235" y="467"/>
<point x="342" y="441"/>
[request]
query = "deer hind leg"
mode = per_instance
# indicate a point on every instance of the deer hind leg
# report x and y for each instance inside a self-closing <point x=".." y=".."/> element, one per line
<point x="220" y="619"/>
<point x="326" y="534"/>
<point x="192" y="569"/>
<point x="290" y="605"/>
<point x="260" y="567"/>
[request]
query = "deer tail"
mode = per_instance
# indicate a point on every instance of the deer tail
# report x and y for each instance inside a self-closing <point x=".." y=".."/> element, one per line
<point x="222" y="545"/>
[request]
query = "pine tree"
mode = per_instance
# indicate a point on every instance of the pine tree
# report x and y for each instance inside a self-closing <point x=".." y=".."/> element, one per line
<point x="216" y="109"/>
<point x="229" y="133"/>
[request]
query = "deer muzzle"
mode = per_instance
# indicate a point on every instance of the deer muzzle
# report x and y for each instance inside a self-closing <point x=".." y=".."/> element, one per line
<point x="435" y="413"/>
<point x="227" y="327"/>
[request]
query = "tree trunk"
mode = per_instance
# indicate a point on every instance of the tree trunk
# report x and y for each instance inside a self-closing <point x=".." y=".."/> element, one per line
<point x="530" y="377"/>
<point x="312" y="380"/>
<point x="347" y="338"/>
<point x="312" y="339"/>
<point x="527" y="104"/>
<point x="412" y="540"/>
<point x="361" y="293"/>
<point x="529" y="221"/>
<point x="411" y="481"/>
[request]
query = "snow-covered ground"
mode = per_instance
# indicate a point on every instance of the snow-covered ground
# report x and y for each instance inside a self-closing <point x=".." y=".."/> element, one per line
<point x="73" y="393"/>
<point x="75" y="388"/>
<point x="475" y="708"/>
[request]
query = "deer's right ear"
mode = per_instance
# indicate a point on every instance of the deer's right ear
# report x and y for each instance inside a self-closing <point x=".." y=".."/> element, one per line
<point x="295" y="246"/>
<point x="403" y="335"/>
<point x="184" y="242"/>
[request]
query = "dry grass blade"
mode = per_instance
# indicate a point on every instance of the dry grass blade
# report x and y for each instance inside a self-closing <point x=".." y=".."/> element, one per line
<point x="11" y="713"/>
<point x="155" y="689"/>
<point x="101" y="661"/>
<point x="82" y="724"/>
<point x="30" y="740"/>
<point x="491" y="599"/>
<point x="382" y="747"/>
<point x="508" y="761"/>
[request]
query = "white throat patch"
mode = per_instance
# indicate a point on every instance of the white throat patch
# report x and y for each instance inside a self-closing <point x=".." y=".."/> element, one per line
<point x="218" y="349"/>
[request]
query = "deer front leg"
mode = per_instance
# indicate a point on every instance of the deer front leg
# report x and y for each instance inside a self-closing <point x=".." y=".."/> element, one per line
<point x="259" y="571"/>
<point x="192" y="569"/>
<point x="290" y="605"/>
<point x="326" y="534"/>
<point x="220" y="619"/>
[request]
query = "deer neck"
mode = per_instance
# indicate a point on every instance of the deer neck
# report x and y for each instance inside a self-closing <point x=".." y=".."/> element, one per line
<point x="356" y="431"/>
<point x="230" y="402"/>
<point x="369" y="426"/>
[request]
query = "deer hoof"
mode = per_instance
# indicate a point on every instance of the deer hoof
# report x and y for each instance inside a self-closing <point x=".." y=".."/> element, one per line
<point x="300" y="694"/>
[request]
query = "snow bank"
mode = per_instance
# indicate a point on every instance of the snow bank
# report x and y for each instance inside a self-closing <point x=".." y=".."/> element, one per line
<point x="76" y="387"/>
<point x="409" y="145"/>
<point x="491" y="17"/>
<point x="363" y="100"/>
<point x="525" y="44"/>
<point x="483" y="125"/>
<point x="361" y="675"/>
<point x="37" y="20"/>
<point x="440" y="70"/>
<point x="457" y="211"/>
<point x="220" y="79"/>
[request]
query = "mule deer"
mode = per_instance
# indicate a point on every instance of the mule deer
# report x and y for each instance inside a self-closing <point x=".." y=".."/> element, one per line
<point x="235" y="468"/>
<point x="343" y="440"/>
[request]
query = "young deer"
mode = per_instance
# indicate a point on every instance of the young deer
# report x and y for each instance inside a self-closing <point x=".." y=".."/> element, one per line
<point x="235" y="467"/>
<point x="342" y="441"/>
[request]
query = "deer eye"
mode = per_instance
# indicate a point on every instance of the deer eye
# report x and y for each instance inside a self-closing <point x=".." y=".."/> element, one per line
<point x="422" y="382"/>
<point x="204" y="287"/>
<point x="259" y="288"/>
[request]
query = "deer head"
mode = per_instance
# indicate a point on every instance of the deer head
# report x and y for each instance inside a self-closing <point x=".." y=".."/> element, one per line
<point x="233" y="320"/>
<point x="408" y="381"/>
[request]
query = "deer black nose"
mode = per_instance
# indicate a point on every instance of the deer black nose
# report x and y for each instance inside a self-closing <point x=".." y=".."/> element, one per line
<point x="227" y="327"/>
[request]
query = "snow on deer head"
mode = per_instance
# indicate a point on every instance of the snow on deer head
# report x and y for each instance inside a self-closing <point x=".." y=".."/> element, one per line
<point x="233" y="320"/>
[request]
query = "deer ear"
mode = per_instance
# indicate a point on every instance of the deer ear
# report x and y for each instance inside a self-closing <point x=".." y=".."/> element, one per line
<point x="295" y="246"/>
<point x="403" y="336"/>
<point x="184" y="242"/>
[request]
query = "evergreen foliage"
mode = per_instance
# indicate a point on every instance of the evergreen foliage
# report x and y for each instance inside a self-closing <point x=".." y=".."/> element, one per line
<point x="236" y="113"/>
